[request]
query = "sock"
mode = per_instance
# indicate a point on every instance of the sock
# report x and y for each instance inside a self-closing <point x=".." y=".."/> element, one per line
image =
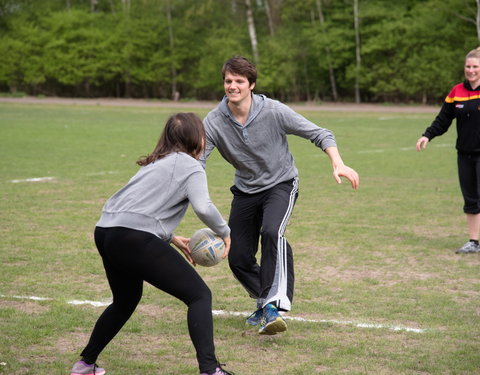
<point x="474" y="241"/>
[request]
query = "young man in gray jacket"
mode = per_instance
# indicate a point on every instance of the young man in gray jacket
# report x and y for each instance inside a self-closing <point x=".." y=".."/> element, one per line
<point x="250" y="132"/>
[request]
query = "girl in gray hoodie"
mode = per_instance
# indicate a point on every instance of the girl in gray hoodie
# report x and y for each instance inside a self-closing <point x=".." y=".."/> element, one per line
<point x="133" y="237"/>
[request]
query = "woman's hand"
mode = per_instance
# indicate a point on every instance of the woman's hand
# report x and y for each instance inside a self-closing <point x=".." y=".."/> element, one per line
<point x="182" y="244"/>
<point x="227" y="242"/>
<point x="422" y="143"/>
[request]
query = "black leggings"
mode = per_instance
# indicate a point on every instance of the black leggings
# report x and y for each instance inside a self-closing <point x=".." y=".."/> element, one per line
<point x="131" y="257"/>
<point x="469" y="175"/>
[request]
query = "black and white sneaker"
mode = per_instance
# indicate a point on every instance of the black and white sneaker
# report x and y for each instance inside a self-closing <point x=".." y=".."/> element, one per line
<point x="468" y="247"/>
<point x="219" y="371"/>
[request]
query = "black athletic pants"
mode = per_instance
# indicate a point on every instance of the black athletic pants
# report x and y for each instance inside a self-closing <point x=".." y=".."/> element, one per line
<point x="263" y="216"/>
<point x="131" y="257"/>
<point x="469" y="176"/>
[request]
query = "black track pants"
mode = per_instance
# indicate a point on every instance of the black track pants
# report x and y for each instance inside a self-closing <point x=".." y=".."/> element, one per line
<point x="131" y="257"/>
<point x="263" y="216"/>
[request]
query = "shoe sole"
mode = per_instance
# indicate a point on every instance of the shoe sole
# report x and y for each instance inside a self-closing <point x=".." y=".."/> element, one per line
<point x="272" y="328"/>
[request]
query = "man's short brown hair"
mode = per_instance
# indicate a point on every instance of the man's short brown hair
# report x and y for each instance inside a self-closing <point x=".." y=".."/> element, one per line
<point x="241" y="66"/>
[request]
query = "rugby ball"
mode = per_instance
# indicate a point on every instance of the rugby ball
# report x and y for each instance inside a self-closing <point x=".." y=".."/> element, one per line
<point x="207" y="248"/>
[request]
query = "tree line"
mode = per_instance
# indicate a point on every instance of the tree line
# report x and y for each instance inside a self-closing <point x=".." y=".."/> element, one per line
<point x="315" y="50"/>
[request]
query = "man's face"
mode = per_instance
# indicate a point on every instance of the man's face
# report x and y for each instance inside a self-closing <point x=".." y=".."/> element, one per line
<point x="237" y="88"/>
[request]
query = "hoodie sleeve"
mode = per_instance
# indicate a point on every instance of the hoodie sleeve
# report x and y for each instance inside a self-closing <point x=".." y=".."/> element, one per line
<point x="209" y="144"/>
<point x="444" y="118"/>
<point x="197" y="192"/>
<point x="296" y="124"/>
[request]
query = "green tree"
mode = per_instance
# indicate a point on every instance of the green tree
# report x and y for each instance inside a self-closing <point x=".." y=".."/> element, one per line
<point x="411" y="50"/>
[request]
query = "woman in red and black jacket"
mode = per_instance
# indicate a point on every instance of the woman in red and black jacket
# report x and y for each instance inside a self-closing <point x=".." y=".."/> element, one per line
<point x="463" y="103"/>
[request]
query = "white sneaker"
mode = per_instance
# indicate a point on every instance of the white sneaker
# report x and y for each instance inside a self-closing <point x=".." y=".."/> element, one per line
<point x="468" y="247"/>
<point x="81" y="368"/>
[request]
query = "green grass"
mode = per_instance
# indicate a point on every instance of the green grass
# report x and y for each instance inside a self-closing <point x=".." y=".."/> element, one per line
<point x="382" y="255"/>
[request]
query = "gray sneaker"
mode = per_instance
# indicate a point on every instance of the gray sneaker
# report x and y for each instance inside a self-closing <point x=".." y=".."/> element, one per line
<point x="82" y="368"/>
<point x="468" y="247"/>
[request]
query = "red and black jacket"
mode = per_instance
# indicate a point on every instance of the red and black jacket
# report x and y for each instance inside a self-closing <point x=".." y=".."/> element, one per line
<point x="462" y="103"/>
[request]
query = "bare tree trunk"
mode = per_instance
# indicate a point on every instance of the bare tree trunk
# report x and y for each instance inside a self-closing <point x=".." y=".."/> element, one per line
<point x="331" y="71"/>
<point x="127" y="76"/>
<point x="273" y="10"/>
<point x="269" y="18"/>
<point x="478" y="20"/>
<point x="92" y="5"/>
<point x="174" y="94"/>
<point x="69" y="4"/>
<point x="251" y="30"/>
<point x="307" y="81"/>
<point x="87" y="87"/>
<point x="126" y="6"/>
<point x="475" y="20"/>
<point x="357" y="50"/>
<point x="112" y="7"/>
<point x="128" y="86"/>
<point x="424" y="98"/>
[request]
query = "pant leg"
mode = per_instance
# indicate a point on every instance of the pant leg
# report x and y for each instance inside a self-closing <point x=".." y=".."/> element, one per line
<point x="265" y="214"/>
<point x="277" y="271"/>
<point x="168" y="271"/>
<point x="245" y="221"/>
<point x="127" y="291"/>
<point x="132" y="256"/>
<point x="469" y="177"/>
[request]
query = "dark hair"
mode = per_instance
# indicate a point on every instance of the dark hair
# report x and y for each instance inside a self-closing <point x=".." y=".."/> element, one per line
<point x="183" y="132"/>
<point x="241" y="66"/>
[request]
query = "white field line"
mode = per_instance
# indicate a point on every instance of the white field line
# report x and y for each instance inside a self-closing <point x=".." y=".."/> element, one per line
<point x="371" y="151"/>
<point x="331" y="321"/>
<point x="410" y="148"/>
<point x="51" y="178"/>
<point x="87" y="302"/>
<point x="388" y="118"/>
<point x="102" y="173"/>
<point x="245" y="314"/>
<point x="34" y="179"/>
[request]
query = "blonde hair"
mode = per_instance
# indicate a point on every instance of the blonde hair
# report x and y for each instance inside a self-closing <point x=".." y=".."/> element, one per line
<point x="474" y="53"/>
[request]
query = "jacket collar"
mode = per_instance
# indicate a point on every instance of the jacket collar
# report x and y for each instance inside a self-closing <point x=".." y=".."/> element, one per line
<point x="469" y="87"/>
<point x="258" y="102"/>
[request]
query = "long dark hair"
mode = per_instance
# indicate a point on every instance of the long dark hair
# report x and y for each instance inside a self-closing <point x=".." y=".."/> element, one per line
<point x="183" y="132"/>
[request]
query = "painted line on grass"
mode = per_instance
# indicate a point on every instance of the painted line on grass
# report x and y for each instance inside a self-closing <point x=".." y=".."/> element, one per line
<point x="102" y="173"/>
<point x="51" y="178"/>
<point x="330" y="321"/>
<point x="34" y="179"/>
<point x="245" y="314"/>
<point x="410" y="148"/>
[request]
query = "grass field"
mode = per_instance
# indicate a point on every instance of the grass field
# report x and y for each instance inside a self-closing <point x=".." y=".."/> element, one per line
<point x="378" y="285"/>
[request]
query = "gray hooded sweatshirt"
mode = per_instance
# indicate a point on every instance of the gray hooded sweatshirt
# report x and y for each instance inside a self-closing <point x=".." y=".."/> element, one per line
<point x="259" y="150"/>
<point x="157" y="197"/>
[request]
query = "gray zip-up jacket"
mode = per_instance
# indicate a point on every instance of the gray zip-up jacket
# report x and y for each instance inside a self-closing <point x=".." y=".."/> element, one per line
<point x="259" y="149"/>
<point x="157" y="196"/>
